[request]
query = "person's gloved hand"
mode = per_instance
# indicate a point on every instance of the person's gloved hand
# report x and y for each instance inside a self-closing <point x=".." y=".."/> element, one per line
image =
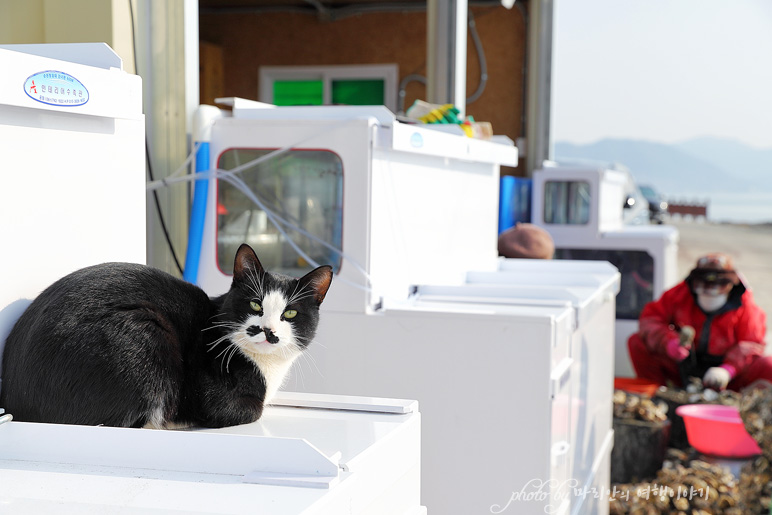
<point x="676" y="351"/>
<point x="716" y="378"/>
<point x="686" y="335"/>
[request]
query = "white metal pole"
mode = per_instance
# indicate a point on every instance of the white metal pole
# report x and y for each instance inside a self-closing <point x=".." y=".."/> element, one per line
<point x="539" y="93"/>
<point x="446" y="22"/>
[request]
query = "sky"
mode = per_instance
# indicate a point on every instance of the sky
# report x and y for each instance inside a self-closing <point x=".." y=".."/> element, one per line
<point x="662" y="70"/>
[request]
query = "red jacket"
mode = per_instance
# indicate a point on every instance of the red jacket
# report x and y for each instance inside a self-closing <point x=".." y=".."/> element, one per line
<point x="734" y="336"/>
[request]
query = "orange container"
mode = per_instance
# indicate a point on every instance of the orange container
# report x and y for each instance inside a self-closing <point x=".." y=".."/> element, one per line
<point x="635" y="385"/>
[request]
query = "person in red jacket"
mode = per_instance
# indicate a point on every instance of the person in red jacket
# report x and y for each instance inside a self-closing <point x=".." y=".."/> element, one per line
<point x="708" y="327"/>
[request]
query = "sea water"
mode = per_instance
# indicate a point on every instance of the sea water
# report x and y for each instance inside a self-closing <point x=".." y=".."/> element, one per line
<point x="739" y="207"/>
<point x="751" y="208"/>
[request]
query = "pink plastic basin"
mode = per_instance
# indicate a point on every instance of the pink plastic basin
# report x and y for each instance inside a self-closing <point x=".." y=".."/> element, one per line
<point x="717" y="430"/>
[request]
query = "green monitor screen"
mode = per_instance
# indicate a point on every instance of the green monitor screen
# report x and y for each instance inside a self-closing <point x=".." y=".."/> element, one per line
<point x="298" y="92"/>
<point x="358" y="92"/>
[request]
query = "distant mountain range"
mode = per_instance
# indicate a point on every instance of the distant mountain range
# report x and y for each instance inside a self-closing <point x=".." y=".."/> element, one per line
<point x="696" y="167"/>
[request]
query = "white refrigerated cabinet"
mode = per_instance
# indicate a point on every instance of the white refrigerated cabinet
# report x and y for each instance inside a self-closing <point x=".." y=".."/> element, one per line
<point x="515" y="381"/>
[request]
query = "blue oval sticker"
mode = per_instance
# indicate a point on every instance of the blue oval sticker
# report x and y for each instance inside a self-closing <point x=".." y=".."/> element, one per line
<point x="56" y="88"/>
<point x="417" y="140"/>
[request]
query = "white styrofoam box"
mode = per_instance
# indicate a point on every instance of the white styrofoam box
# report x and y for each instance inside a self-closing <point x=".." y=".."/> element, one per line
<point x="350" y="140"/>
<point x="589" y="287"/>
<point x="74" y="179"/>
<point x="398" y="181"/>
<point x="432" y="219"/>
<point x="660" y="243"/>
<point x="513" y="392"/>
<point x="601" y="210"/>
<point x="495" y="411"/>
<point x="322" y="455"/>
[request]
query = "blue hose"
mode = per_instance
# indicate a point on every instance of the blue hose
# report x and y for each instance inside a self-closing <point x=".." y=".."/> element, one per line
<point x="197" y="216"/>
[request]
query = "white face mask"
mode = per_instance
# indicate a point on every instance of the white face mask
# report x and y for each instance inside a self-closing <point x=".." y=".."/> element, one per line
<point x="710" y="303"/>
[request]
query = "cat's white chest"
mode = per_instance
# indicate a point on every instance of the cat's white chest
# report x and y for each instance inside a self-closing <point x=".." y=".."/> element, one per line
<point x="274" y="369"/>
<point x="273" y="359"/>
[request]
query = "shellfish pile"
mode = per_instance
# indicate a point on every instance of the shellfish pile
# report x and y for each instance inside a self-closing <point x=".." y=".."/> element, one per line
<point x="685" y="485"/>
<point x="756" y="476"/>
<point x="756" y="485"/>
<point x="688" y="485"/>
<point x="629" y="406"/>
<point x="695" y="393"/>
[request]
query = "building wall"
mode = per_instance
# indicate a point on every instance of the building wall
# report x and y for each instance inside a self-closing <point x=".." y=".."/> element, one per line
<point x="73" y="21"/>
<point x="249" y="41"/>
<point x="21" y="22"/>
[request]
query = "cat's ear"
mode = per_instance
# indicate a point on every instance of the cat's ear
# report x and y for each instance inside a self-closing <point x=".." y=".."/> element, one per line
<point x="246" y="261"/>
<point x="318" y="281"/>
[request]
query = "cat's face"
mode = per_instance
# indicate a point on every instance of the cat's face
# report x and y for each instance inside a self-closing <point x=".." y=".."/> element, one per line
<point x="272" y="314"/>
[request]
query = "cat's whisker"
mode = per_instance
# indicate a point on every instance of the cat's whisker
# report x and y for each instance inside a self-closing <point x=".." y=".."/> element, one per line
<point x="222" y="322"/>
<point x="300" y="374"/>
<point x="295" y="292"/>
<point x="255" y="292"/>
<point x="217" y="342"/>
<point x="302" y="297"/>
<point x="252" y="286"/>
<point x="307" y="341"/>
<point x="230" y="356"/>
<point x="229" y="325"/>
<point x="220" y="314"/>
<point x="305" y="293"/>
<point x="311" y="361"/>
<point x="292" y="296"/>
<point x="231" y="350"/>
<point x="223" y="351"/>
<point x="256" y="283"/>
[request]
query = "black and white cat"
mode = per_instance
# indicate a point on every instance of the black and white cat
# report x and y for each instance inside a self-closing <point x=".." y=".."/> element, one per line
<point x="127" y="345"/>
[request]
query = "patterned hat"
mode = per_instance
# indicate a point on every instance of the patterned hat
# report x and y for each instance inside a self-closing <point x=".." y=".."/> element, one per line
<point x="715" y="268"/>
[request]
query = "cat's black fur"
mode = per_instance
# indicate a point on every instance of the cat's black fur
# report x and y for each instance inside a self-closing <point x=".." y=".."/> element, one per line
<point x="128" y="345"/>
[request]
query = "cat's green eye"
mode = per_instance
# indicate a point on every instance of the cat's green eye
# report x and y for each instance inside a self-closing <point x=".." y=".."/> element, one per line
<point x="290" y="313"/>
<point x="255" y="306"/>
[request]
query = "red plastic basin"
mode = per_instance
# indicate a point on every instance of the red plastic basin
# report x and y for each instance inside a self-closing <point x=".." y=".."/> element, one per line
<point x="717" y="430"/>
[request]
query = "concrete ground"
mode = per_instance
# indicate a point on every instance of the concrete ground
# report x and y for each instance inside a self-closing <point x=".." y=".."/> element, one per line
<point x="749" y="245"/>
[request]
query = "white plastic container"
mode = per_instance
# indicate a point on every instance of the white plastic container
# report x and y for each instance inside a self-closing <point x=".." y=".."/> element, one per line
<point x="310" y="454"/>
